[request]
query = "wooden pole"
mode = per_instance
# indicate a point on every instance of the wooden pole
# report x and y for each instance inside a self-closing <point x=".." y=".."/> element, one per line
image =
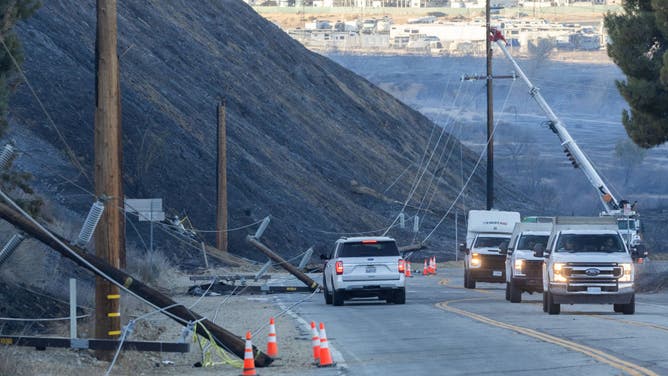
<point x="221" y="213"/>
<point x="282" y="263"/>
<point x="91" y="262"/>
<point x="490" y="111"/>
<point x="108" y="184"/>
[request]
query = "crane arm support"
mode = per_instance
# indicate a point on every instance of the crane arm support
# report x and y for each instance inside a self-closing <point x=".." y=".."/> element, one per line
<point x="571" y="148"/>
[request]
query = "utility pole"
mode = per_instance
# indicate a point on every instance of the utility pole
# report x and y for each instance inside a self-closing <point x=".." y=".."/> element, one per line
<point x="490" y="111"/>
<point x="221" y="213"/>
<point x="108" y="179"/>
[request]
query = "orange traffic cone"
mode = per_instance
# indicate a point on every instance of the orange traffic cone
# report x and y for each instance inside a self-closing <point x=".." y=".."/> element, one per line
<point x="425" y="270"/>
<point x="325" y="356"/>
<point x="434" y="267"/>
<point x="407" y="273"/>
<point x="272" y="345"/>
<point x="249" y="361"/>
<point x="315" y="342"/>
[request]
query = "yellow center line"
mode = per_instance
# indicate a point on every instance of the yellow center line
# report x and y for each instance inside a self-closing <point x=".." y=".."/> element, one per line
<point x="628" y="367"/>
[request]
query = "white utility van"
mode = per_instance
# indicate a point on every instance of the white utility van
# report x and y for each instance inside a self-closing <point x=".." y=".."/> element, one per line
<point x="486" y="230"/>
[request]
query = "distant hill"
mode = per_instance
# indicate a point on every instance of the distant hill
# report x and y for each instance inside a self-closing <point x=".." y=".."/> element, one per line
<point x="309" y="143"/>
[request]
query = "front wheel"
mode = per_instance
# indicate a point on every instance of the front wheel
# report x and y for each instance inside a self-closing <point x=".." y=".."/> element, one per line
<point x="507" y="291"/>
<point x="515" y="293"/>
<point x="469" y="282"/>
<point x="552" y="308"/>
<point x="629" y="309"/>
<point x="545" y="302"/>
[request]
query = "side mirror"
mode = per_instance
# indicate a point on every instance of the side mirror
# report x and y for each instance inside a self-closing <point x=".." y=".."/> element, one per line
<point x="462" y="248"/>
<point x="503" y="248"/>
<point x="539" y="250"/>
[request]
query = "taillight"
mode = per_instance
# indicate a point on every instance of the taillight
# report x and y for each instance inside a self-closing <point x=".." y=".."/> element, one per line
<point x="402" y="266"/>
<point x="339" y="267"/>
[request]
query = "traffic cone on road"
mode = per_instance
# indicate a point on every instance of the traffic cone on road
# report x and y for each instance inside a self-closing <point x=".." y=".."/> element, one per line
<point x="325" y="356"/>
<point x="249" y="361"/>
<point x="425" y="270"/>
<point x="272" y="345"/>
<point x="434" y="267"/>
<point x="315" y="342"/>
<point x="407" y="273"/>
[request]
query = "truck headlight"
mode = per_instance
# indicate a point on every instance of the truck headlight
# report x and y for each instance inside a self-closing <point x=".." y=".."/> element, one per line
<point x="519" y="267"/>
<point x="627" y="273"/>
<point x="475" y="260"/>
<point x="558" y="269"/>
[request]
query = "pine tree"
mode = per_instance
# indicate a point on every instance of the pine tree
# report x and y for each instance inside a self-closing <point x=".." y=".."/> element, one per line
<point x="638" y="45"/>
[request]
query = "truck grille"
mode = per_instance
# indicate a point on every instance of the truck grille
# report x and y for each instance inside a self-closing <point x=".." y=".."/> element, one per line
<point x="495" y="262"/>
<point x="533" y="269"/>
<point x="582" y="276"/>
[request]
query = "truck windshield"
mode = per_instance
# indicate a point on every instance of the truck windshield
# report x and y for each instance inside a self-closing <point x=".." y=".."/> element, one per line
<point x="626" y="224"/>
<point x="482" y="242"/>
<point x="527" y="242"/>
<point x="369" y="249"/>
<point x="589" y="243"/>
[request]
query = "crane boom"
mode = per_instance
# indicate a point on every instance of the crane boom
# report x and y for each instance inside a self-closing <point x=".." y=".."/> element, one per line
<point x="572" y="150"/>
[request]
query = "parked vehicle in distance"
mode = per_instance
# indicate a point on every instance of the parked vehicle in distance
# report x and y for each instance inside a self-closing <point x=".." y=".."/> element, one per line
<point x="364" y="267"/>
<point x="486" y="230"/>
<point x="587" y="262"/>
<point x="524" y="271"/>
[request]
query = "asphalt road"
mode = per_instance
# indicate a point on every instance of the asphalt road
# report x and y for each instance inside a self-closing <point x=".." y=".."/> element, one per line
<point x="444" y="329"/>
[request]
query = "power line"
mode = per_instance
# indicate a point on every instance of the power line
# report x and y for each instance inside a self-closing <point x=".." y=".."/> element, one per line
<point x="475" y="167"/>
<point x="68" y="149"/>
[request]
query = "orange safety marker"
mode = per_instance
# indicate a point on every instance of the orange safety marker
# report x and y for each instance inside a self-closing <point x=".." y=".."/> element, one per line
<point x="425" y="270"/>
<point x="249" y="361"/>
<point x="325" y="356"/>
<point x="434" y="269"/>
<point x="407" y="273"/>
<point x="315" y="342"/>
<point x="272" y="345"/>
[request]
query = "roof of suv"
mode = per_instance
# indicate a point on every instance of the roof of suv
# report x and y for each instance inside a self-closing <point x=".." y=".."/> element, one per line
<point x="357" y="239"/>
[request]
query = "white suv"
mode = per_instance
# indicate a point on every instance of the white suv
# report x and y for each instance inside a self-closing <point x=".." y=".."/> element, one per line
<point x="364" y="267"/>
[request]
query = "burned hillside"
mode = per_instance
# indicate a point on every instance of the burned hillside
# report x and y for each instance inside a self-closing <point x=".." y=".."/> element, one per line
<point x="310" y="143"/>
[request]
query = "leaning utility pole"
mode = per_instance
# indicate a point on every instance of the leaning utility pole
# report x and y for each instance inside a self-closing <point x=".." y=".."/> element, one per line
<point x="221" y="213"/>
<point x="490" y="111"/>
<point x="108" y="179"/>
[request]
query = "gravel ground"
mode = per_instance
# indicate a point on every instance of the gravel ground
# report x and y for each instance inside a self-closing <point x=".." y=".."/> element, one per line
<point x="237" y="314"/>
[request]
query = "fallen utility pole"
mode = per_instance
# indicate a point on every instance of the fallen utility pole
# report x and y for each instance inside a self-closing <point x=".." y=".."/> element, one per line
<point x="283" y="263"/>
<point x="183" y="315"/>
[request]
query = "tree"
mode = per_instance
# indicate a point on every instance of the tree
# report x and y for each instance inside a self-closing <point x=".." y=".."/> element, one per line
<point x="639" y="47"/>
<point x="11" y="12"/>
<point x="630" y="156"/>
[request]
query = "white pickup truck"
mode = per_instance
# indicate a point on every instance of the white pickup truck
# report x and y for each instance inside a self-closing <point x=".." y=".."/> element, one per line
<point x="524" y="271"/>
<point x="486" y="230"/>
<point x="587" y="262"/>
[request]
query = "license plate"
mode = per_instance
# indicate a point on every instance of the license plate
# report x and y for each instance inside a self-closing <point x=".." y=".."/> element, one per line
<point x="497" y="273"/>
<point x="594" y="290"/>
<point x="370" y="269"/>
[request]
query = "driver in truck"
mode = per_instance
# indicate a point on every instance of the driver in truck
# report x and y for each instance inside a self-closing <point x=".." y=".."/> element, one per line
<point x="569" y="245"/>
<point x="609" y="245"/>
